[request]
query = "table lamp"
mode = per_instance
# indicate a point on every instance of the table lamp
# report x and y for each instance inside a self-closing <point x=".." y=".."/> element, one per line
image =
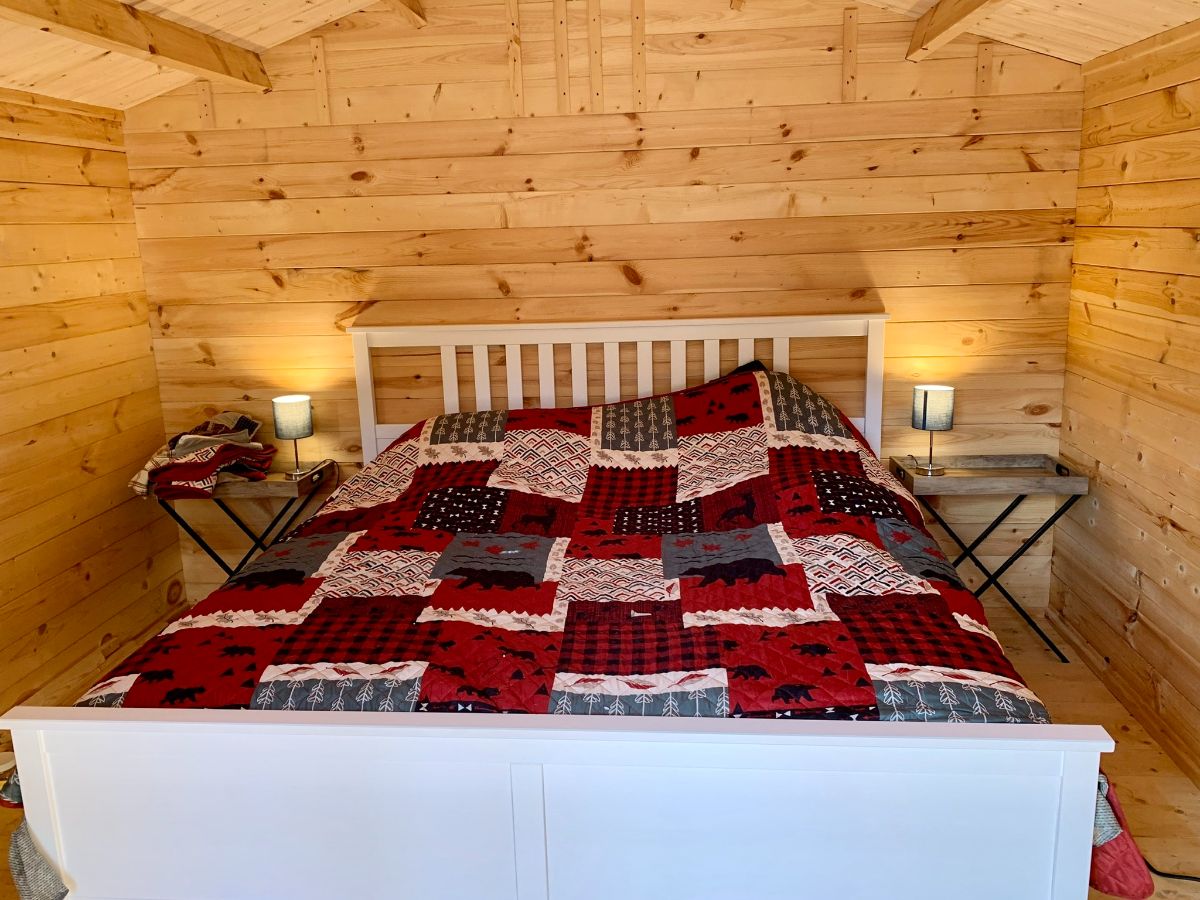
<point x="293" y="421"/>
<point x="933" y="410"/>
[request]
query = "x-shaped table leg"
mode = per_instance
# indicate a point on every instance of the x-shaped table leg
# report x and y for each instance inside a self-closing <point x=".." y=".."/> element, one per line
<point x="992" y="579"/>
<point x="270" y="535"/>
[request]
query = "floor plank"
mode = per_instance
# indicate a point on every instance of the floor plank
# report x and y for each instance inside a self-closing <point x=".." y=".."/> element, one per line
<point x="1162" y="804"/>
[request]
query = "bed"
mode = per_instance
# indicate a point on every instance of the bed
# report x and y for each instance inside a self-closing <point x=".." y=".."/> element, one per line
<point x="730" y="663"/>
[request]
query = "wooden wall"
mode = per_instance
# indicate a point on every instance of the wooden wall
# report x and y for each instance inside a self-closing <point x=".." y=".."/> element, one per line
<point x="1127" y="562"/>
<point x="86" y="569"/>
<point x="605" y="158"/>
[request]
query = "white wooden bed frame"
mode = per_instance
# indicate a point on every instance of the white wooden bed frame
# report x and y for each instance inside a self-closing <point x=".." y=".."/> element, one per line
<point x="781" y="330"/>
<point x="190" y="804"/>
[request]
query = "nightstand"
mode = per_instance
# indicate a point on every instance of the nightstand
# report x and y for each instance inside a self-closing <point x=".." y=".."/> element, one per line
<point x="295" y="494"/>
<point x="1000" y="474"/>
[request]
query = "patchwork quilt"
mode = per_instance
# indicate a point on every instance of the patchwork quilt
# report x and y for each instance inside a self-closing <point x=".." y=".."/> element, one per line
<point x="732" y="549"/>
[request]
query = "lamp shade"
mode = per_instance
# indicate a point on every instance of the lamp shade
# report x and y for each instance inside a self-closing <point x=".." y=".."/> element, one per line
<point x="933" y="407"/>
<point x="293" y="417"/>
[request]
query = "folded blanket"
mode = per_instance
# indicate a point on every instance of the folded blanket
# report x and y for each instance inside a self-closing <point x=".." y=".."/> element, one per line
<point x="190" y="464"/>
<point x="34" y="877"/>
<point x="1118" y="868"/>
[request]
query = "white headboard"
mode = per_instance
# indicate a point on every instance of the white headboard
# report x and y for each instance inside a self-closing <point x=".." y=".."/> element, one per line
<point x="780" y="329"/>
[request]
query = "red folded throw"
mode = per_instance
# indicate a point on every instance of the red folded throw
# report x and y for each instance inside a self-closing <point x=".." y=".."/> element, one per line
<point x="190" y="464"/>
<point x="1118" y="868"/>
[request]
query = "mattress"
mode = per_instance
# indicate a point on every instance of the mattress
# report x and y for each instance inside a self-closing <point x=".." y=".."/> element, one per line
<point x="732" y="549"/>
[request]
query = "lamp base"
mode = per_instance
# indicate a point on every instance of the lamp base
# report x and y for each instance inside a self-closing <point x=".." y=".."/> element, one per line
<point x="298" y="473"/>
<point x="929" y="470"/>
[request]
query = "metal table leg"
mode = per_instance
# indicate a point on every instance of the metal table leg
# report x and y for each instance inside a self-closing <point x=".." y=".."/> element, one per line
<point x="258" y="541"/>
<point x="992" y="579"/>
<point x="261" y="541"/>
<point x="195" y="536"/>
<point x="987" y="532"/>
<point x="1029" y="542"/>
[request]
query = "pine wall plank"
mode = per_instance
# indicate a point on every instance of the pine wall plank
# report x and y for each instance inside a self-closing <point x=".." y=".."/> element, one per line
<point x="703" y="161"/>
<point x="1126" y="564"/>
<point x="85" y="568"/>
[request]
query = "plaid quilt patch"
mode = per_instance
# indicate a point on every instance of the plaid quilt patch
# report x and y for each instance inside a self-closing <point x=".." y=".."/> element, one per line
<point x="798" y="465"/>
<point x="726" y="550"/>
<point x="361" y="629"/>
<point x="610" y="489"/>
<point x="642" y="637"/>
<point x="896" y="628"/>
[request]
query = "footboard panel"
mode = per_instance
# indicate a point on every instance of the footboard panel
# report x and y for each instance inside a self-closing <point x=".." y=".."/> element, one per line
<point x="206" y="804"/>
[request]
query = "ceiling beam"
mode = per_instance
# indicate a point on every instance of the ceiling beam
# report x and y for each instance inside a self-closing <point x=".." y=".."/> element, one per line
<point x="123" y="29"/>
<point x="945" y="21"/>
<point x="411" y="10"/>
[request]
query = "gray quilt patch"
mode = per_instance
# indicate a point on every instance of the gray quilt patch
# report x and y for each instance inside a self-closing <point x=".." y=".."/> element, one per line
<point x="799" y="408"/>
<point x="290" y="561"/>
<point x="915" y="551"/>
<point x="640" y="425"/>
<point x="689" y="552"/>
<point x="1107" y="827"/>
<point x="946" y="701"/>
<point x="495" y="553"/>
<point x="115" y="700"/>
<point x="706" y="703"/>
<point x="343" y="695"/>
<point x="470" y="427"/>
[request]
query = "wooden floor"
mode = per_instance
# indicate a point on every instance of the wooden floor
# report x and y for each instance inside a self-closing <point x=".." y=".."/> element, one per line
<point x="1162" y="804"/>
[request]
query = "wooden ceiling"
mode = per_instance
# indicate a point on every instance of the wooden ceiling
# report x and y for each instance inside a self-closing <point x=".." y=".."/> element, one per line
<point x="1074" y="30"/>
<point x="87" y="72"/>
<point x="108" y="54"/>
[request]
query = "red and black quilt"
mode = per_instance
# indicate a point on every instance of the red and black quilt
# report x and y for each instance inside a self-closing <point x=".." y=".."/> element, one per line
<point x="728" y="550"/>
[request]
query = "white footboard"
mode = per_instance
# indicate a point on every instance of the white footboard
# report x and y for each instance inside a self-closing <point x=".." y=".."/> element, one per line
<point x="220" y="804"/>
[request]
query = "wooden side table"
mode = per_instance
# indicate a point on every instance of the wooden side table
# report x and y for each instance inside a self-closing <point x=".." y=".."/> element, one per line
<point x="1003" y="474"/>
<point x="295" y="494"/>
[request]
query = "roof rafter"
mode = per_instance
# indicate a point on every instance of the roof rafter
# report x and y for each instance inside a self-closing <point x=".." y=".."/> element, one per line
<point x="411" y="10"/>
<point x="122" y="29"/>
<point x="945" y="21"/>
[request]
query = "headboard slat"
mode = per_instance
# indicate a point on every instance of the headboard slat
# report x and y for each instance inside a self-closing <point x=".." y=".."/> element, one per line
<point x="579" y="374"/>
<point x="516" y="377"/>
<point x="547" y="394"/>
<point x="712" y="359"/>
<point x="449" y="382"/>
<point x="745" y="350"/>
<point x="678" y="365"/>
<point x="483" y="378"/>
<point x="645" y="368"/>
<point x="612" y="372"/>
<point x="781" y="352"/>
